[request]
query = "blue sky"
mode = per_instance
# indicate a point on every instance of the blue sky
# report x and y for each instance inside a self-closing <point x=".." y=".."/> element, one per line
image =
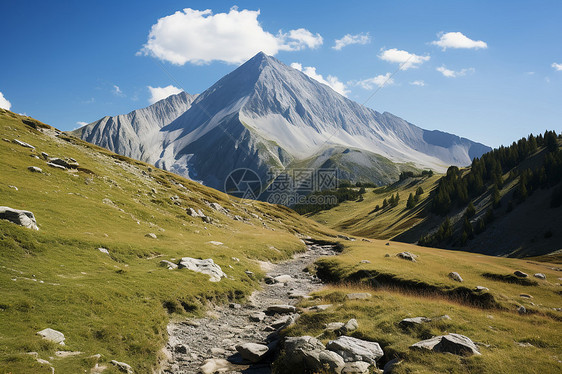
<point x="487" y="70"/>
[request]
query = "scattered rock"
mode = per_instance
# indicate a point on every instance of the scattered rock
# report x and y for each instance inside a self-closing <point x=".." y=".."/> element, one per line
<point x="19" y="217"/>
<point x="234" y="306"/>
<point x="520" y="274"/>
<point x="451" y="343"/>
<point x="191" y="212"/>
<point x="539" y="275"/>
<point x="56" y="166"/>
<point x="345" y="237"/>
<point x="521" y="310"/>
<point x="103" y="250"/>
<point x="353" y="349"/>
<point x="168" y="264"/>
<point x="358" y="296"/>
<point x="216" y="365"/>
<point x="407" y="256"/>
<point x="14" y="187"/>
<point x="357" y="367"/>
<point x="215" y="351"/>
<point x="444" y="317"/>
<point x="387" y="255"/>
<point x="213" y="242"/>
<point x="206" y="266"/>
<point x="34" y="169"/>
<point x="45" y="155"/>
<point x="125" y="368"/>
<point x="481" y="288"/>
<point x="364" y="262"/>
<point x="334" y="326"/>
<point x="180" y="348"/>
<point x="257" y="317"/>
<point x="23" y="144"/>
<point x="65" y="354"/>
<point x="151" y="235"/>
<point x="525" y="344"/>
<point x="283" y="278"/>
<point x="326" y="361"/>
<point x="52" y="335"/>
<point x="321" y="308"/>
<point x="252" y="352"/>
<point x="455" y="276"/>
<point x="526" y="296"/>
<point x="348" y="327"/>
<point x="390" y="365"/>
<point x="281" y="309"/>
<point x="411" y="322"/>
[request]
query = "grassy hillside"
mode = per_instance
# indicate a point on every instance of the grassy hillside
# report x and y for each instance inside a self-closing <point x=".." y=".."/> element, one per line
<point x="508" y="340"/>
<point x="116" y="305"/>
<point x="508" y="203"/>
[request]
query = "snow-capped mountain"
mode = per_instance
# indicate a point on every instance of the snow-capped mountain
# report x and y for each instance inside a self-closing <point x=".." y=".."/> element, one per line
<point x="266" y="114"/>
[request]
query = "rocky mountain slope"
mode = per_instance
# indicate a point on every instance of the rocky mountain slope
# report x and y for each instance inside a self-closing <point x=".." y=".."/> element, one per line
<point x="268" y="115"/>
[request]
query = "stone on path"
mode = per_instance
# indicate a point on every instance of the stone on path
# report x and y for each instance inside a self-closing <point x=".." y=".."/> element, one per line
<point x="19" y="217"/>
<point x="353" y="349"/>
<point x="451" y="343"/>
<point x="257" y="317"/>
<point x="283" y="278"/>
<point x="252" y="352"/>
<point x="206" y="266"/>
<point x="52" y="335"/>
<point x="281" y="309"/>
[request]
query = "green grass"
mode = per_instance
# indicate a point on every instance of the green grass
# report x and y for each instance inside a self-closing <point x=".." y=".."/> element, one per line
<point x="403" y="289"/>
<point x="117" y="305"/>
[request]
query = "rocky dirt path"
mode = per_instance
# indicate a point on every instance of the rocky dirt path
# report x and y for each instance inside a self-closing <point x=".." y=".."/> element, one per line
<point x="208" y="345"/>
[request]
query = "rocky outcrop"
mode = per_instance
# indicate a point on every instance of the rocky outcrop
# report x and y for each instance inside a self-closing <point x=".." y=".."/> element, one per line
<point x="19" y="217"/>
<point x="206" y="266"/>
<point x="451" y="343"/>
<point x="353" y="349"/>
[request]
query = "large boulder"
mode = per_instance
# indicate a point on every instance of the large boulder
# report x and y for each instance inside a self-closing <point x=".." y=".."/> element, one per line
<point x="324" y="361"/>
<point x="455" y="276"/>
<point x="306" y="354"/>
<point x="252" y="352"/>
<point x="451" y="343"/>
<point x="206" y="266"/>
<point x="357" y="367"/>
<point x="19" y="217"/>
<point x="353" y="349"/>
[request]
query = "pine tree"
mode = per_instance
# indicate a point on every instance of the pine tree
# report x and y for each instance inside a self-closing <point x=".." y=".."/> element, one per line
<point x="470" y="210"/>
<point x="410" y="203"/>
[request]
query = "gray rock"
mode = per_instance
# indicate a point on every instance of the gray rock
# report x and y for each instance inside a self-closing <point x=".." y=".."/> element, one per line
<point x="281" y="309"/>
<point x="407" y="256"/>
<point x="34" y="169"/>
<point x="56" y="166"/>
<point x="444" y="317"/>
<point x="521" y="310"/>
<point x="45" y="155"/>
<point x="23" y="144"/>
<point x="364" y="262"/>
<point x="52" y="335"/>
<point x="206" y="266"/>
<point x="321" y="308"/>
<point x="415" y="321"/>
<point x="216" y="365"/>
<point x="520" y="274"/>
<point x="302" y="343"/>
<point x="334" y="326"/>
<point x="180" y="348"/>
<point x="65" y="354"/>
<point x="123" y="367"/>
<point x="151" y="235"/>
<point x="353" y="349"/>
<point x="481" y="288"/>
<point x="455" y="276"/>
<point x="451" y="343"/>
<point x="168" y="264"/>
<point x="526" y="296"/>
<point x="324" y="361"/>
<point x="296" y="294"/>
<point x="539" y="275"/>
<point x="191" y="212"/>
<point x="19" y="217"/>
<point x="257" y="317"/>
<point x="252" y="352"/>
<point x="357" y="367"/>
<point x="103" y="250"/>
<point x="348" y="327"/>
<point x="61" y="162"/>
<point x="390" y="365"/>
<point x="358" y="296"/>
<point x="283" y="278"/>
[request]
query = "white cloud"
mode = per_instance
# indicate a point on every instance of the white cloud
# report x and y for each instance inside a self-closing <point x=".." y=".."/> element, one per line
<point x="4" y="103"/>
<point x="556" y="66"/>
<point x="159" y="93"/>
<point x="458" y="40"/>
<point x="80" y="124"/>
<point x="454" y="74"/>
<point x="331" y="81"/>
<point x="418" y="83"/>
<point x="199" y="37"/>
<point x="380" y="81"/>
<point x="117" y="91"/>
<point x="406" y="59"/>
<point x="352" y="39"/>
